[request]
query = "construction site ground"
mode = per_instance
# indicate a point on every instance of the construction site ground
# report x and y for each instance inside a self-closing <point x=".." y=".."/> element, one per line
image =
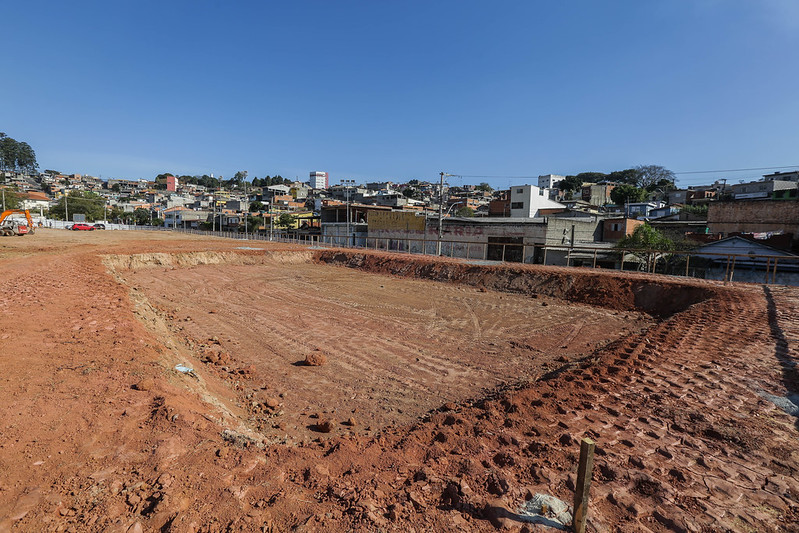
<point x="154" y="381"/>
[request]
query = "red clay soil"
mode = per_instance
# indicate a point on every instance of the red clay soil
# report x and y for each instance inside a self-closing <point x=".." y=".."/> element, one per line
<point x="100" y="433"/>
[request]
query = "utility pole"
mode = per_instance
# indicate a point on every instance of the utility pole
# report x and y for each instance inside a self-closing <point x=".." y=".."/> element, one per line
<point x="4" y="198"/>
<point x="441" y="211"/>
<point x="347" y="184"/>
<point x="66" y="210"/>
<point x="246" y="208"/>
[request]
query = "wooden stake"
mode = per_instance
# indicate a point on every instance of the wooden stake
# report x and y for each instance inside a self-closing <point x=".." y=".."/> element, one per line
<point x="583" y="484"/>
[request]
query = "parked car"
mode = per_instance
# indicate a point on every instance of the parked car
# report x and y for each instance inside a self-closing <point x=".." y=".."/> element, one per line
<point x="79" y="226"/>
<point x="99" y="226"/>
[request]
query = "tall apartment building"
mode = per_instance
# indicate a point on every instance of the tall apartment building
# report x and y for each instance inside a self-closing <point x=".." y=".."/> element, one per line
<point x="319" y="180"/>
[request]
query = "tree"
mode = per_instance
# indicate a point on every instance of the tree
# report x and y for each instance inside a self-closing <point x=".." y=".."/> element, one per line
<point x="484" y="187"/>
<point x="286" y="220"/>
<point x="410" y="192"/>
<point x="645" y="237"/>
<point x="256" y="206"/>
<point x="652" y="176"/>
<point x="81" y="203"/>
<point x="570" y="184"/>
<point x="12" y="199"/>
<point x="17" y="156"/>
<point x="142" y="216"/>
<point x="464" y="211"/>
<point x="630" y="176"/>
<point x="254" y="222"/>
<point x="625" y="193"/>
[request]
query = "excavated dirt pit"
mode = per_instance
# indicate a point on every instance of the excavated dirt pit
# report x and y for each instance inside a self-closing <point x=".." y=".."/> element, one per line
<point x="392" y="348"/>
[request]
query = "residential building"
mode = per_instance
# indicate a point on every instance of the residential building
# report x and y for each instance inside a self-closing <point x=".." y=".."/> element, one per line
<point x="597" y="194"/>
<point x="793" y="176"/>
<point x="527" y="200"/>
<point x="615" y="229"/>
<point x="760" y="189"/>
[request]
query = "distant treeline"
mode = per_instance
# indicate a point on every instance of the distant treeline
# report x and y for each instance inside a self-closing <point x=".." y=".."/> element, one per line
<point x="236" y="182"/>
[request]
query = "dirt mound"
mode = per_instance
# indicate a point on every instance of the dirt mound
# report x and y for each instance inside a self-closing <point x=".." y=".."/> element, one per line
<point x="316" y="358"/>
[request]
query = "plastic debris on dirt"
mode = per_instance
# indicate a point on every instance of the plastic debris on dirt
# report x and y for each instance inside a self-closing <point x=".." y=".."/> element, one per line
<point x="546" y="510"/>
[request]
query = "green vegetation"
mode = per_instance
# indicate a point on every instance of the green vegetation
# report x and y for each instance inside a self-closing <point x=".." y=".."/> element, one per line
<point x="17" y="156"/>
<point x="625" y="193"/>
<point x="695" y="209"/>
<point x="645" y="237"/>
<point x="286" y="220"/>
<point x="11" y="198"/>
<point x="84" y="203"/>
<point x="484" y="187"/>
<point x="464" y="212"/>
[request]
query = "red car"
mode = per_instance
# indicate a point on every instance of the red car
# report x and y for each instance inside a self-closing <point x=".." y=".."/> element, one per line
<point x="82" y="227"/>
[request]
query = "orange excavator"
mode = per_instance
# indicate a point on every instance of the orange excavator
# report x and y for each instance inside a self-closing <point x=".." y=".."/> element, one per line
<point x="14" y="226"/>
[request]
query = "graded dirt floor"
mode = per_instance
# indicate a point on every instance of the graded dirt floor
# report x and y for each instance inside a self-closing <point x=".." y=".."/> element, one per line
<point x="440" y="395"/>
<point x="395" y="348"/>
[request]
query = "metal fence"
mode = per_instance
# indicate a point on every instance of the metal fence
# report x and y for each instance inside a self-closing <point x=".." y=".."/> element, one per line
<point x="727" y="267"/>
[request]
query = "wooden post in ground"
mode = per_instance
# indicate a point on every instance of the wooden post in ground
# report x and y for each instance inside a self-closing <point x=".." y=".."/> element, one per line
<point x="583" y="484"/>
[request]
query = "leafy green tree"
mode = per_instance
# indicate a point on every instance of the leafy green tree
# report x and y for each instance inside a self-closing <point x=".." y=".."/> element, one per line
<point x="253" y="223"/>
<point x="484" y="187"/>
<point x="645" y="237"/>
<point x="591" y="177"/>
<point x="158" y="222"/>
<point x="83" y="203"/>
<point x="465" y="211"/>
<point x="141" y="216"/>
<point x="17" y="156"/>
<point x="286" y="220"/>
<point x="12" y="198"/>
<point x="625" y="193"/>
<point x="570" y="184"/>
<point x="630" y="176"/>
<point x="257" y="206"/>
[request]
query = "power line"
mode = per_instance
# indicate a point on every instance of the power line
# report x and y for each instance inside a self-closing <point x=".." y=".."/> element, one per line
<point x="733" y="170"/>
<point x="677" y="173"/>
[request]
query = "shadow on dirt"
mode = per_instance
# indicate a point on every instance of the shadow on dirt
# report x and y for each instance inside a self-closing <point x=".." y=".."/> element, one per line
<point x="790" y="372"/>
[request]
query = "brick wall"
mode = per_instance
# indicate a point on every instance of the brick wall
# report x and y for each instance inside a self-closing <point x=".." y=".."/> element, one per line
<point x="754" y="216"/>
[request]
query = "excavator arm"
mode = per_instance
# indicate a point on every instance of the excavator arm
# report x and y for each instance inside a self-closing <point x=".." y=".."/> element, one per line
<point x="8" y="212"/>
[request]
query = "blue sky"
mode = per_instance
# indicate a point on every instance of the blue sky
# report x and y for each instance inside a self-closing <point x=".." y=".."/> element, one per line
<point x="400" y="90"/>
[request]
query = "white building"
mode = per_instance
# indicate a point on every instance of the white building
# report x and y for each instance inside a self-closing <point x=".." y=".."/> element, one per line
<point x="527" y="200"/>
<point x="319" y="180"/>
<point x="548" y="181"/>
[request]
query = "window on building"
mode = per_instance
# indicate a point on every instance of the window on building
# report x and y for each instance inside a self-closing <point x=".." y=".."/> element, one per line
<point x="616" y="227"/>
<point x="517" y="205"/>
<point x="519" y="191"/>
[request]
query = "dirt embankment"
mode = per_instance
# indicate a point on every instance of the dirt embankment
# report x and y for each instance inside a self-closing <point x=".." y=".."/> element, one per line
<point x="625" y="292"/>
<point x="120" y="262"/>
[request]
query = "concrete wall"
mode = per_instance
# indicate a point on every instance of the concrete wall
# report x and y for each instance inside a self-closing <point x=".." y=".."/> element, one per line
<point x="754" y="216"/>
<point x="587" y="230"/>
<point x="471" y="238"/>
